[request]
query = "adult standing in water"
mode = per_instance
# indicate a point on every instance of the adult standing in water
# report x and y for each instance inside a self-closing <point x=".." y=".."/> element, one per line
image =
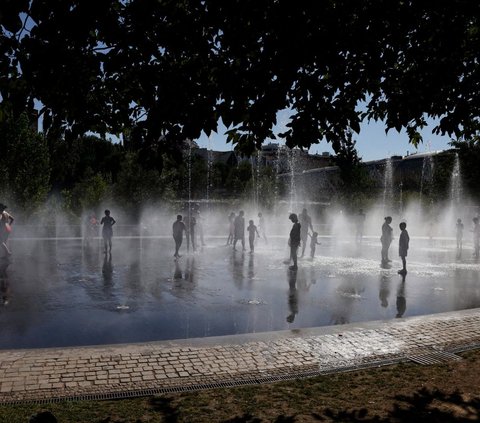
<point x="231" y="228"/>
<point x="459" y="227"/>
<point x="178" y="229"/>
<point x="6" y="220"/>
<point x="305" y="224"/>
<point x="107" y="231"/>
<point x="239" y="230"/>
<point x="386" y="239"/>
<point x="294" y="240"/>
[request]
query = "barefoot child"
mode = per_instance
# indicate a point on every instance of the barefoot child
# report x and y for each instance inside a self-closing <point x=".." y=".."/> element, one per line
<point x="313" y="244"/>
<point x="107" y="231"/>
<point x="252" y="230"/>
<point x="403" y="247"/>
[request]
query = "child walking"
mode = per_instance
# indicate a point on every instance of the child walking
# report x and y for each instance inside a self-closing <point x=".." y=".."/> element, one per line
<point x="313" y="244"/>
<point x="107" y="231"/>
<point x="252" y="230"/>
<point x="403" y="247"/>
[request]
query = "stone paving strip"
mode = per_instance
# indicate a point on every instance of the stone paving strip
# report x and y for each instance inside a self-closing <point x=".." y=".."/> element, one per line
<point x="39" y="374"/>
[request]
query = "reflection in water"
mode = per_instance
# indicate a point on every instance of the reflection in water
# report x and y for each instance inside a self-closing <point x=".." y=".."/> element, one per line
<point x="190" y="269"/>
<point x="107" y="269"/>
<point x="237" y="261"/>
<point x="292" y="296"/>
<point x="4" y="282"/>
<point x="401" y="300"/>
<point x="384" y="291"/>
<point x="251" y="268"/>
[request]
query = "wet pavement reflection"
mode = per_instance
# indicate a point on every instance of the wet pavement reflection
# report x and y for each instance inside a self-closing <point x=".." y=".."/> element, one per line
<point x="58" y="293"/>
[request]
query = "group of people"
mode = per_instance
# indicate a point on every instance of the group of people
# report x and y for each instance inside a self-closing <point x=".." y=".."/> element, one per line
<point x="236" y="225"/>
<point x="403" y="243"/>
<point x="476" y="236"/>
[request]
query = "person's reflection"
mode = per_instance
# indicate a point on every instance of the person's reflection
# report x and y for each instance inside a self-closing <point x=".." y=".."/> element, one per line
<point x="401" y="300"/>
<point x="384" y="291"/>
<point x="237" y="268"/>
<point x="292" y="296"/>
<point x="190" y="269"/>
<point x="251" y="268"/>
<point x="177" y="274"/>
<point x="4" y="281"/>
<point x="107" y="269"/>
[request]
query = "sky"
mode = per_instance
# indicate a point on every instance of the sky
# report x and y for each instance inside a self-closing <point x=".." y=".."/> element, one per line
<point x="372" y="142"/>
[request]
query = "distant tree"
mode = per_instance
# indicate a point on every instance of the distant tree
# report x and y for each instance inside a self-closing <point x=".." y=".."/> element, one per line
<point x="25" y="164"/>
<point x="355" y="181"/>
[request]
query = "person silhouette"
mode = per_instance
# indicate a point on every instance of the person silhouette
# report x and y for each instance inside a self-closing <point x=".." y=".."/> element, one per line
<point x="313" y="244"/>
<point x="239" y="230"/>
<point x="360" y="223"/>
<point x="190" y="222"/>
<point x="459" y="227"/>
<point x="6" y="221"/>
<point x="231" y="228"/>
<point x="252" y="230"/>
<point x="262" y="228"/>
<point x="403" y="244"/>
<point x="107" y="231"/>
<point x="386" y="239"/>
<point x="305" y="224"/>
<point x="294" y="240"/>
<point x="178" y="228"/>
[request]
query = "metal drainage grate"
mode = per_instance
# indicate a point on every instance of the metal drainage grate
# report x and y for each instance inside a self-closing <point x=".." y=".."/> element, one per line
<point x="434" y="357"/>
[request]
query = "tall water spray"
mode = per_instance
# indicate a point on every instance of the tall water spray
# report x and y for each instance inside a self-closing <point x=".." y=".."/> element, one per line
<point x="387" y="185"/>
<point x="209" y="170"/>
<point x="277" y="172"/>
<point x="456" y="183"/>
<point x="293" y="189"/>
<point x="426" y="176"/>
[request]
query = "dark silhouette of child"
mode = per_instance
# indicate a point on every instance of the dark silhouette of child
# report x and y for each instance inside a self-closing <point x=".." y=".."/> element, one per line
<point x="313" y="244"/>
<point x="231" y="228"/>
<point x="6" y="220"/>
<point x="178" y="229"/>
<point x="252" y="230"/>
<point x="305" y="224"/>
<point x="386" y="239"/>
<point x="239" y="230"/>
<point x="459" y="234"/>
<point x="403" y="242"/>
<point x="107" y="231"/>
<point x="294" y="240"/>
<point x="262" y="228"/>
<point x="360" y="223"/>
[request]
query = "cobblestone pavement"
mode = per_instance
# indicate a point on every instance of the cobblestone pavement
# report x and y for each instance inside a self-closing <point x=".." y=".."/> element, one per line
<point x="38" y="374"/>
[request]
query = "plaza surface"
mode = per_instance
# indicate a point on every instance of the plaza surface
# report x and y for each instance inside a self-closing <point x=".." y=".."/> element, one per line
<point x="222" y="318"/>
<point x="117" y="371"/>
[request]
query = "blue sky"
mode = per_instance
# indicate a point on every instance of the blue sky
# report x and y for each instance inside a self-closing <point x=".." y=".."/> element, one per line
<point x="372" y="142"/>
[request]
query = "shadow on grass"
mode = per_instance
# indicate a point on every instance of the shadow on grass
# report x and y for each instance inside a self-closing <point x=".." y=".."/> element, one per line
<point x="164" y="406"/>
<point x="424" y="406"/>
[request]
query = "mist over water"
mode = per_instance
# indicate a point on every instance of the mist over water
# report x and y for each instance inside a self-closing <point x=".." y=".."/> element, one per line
<point x="59" y="289"/>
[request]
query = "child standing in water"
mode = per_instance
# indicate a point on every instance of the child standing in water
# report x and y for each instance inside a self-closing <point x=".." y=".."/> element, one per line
<point x="252" y="230"/>
<point x="313" y="244"/>
<point x="459" y="234"/>
<point x="6" y="220"/>
<point x="178" y="229"/>
<point x="403" y="247"/>
<point x="294" y="240"/>
<point x="107" y="231"/>
<point x="386" y="239"/>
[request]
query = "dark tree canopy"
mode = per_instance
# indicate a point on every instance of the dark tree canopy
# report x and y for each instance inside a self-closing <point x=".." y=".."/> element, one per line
<point x="175" y="67"/>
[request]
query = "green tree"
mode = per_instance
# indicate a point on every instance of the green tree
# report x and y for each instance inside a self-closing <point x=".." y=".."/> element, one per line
<point x="174" y="68"/>
<point x="25" y="164"/>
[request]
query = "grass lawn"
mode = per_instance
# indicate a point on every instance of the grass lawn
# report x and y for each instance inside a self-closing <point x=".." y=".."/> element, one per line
<point x="398" y="393"/>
